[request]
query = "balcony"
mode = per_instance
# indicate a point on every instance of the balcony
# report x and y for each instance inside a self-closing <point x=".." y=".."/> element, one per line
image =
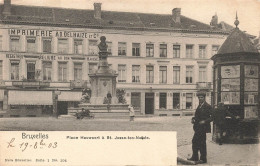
<point x="79" y="84"/>
<point x="203" y="85"/>
<point x="30" y="84"/>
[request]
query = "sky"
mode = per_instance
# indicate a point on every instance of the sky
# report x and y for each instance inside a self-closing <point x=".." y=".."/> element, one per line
<point x="202" y="10"/>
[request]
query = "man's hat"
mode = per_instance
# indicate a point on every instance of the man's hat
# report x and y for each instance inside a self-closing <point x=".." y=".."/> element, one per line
<point x="201" y="93"/>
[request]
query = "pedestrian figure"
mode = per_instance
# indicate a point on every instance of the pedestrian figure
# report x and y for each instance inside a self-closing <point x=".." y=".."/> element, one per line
<point x="131" y="112"/>
<point x="109" y="97"/>
<point x="201" y="126"/>
<point x="219" y="118"/>
<point x="106" y="101"/>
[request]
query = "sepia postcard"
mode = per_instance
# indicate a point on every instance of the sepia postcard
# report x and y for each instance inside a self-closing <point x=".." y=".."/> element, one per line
<point x="120" y="82"/>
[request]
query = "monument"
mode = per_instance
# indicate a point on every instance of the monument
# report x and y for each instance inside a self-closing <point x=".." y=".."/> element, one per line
<point x="102" y="100"/>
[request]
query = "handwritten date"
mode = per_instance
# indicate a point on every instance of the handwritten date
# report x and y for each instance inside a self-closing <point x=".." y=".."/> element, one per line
<point x="33" y="145"/>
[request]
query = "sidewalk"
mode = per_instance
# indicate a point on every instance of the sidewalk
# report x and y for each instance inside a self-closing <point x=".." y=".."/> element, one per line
<point x="226" y="154"/>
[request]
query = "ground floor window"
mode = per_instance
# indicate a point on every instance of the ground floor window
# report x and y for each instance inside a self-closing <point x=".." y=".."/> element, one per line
<point x="189" y="101"/>
<point x="163" y="99"/>
<point x="136" y="100"/>
<point x="1" y="105"/>
<point x="47" y="109"/>
<point x="176" y="100"/>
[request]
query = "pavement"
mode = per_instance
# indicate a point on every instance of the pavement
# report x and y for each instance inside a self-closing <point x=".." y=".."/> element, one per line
<point x="226" y="154"/>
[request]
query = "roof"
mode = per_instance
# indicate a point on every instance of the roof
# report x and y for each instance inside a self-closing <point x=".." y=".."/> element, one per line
<point x="110" y="19"/>
<point x="237" y="42"/>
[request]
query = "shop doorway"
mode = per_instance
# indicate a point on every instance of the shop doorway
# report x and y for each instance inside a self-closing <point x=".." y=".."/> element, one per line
<point x="62" y="107"/>
<point x="149" y="103"/>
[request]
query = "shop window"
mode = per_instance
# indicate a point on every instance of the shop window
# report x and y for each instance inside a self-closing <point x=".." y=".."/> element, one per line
<point x="149" y="74"/>
<point x="136" y="100"/>
<point x="136" y="49"/>
<point x="78" y="46"/>
<point x="149" y="50"/>
<point x="62" y="71"/>
<point x="1" y="105"/>
<point x="163" y="74"/>
<point x="189" y="101"/>
<point x="77" y="71"/>
<point x="121" y="49"/>
<point x="31" y="71"/>
<point x="176" y="100"/>
<point x="163" y="50"/>
<point x="163" y="100"/>
<point x="202" y="51"/>
<point x="47" y="70"/>
<point x="1" y="43"/>
<point x="93" y="47"/>
<point x="136" y="73"/>
<point x="46" y="45"/>
<point x="63" y="46"/>
<point x="189" y="51"/>
<point x="121" y="73"/>
<point x="31" y="44"/>
<point x="176" y="74"/>
<point x="189" y="74"/>
<point x="14" y="70"/>
<point x="176" y="51"/>
<point x="92" y="67"/>
<point x="15" y="43"/>
<point x="202" y="74"/>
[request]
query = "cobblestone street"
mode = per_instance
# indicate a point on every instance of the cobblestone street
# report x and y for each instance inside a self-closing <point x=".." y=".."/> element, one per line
<point x="245" y="154"/>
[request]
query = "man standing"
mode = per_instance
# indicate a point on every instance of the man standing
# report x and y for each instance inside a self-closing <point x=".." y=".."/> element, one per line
<point x="201" y="126"/>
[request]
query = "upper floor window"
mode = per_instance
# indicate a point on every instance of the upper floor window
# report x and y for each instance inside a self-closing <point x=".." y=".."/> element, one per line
<point x="46" y="45"/>
<point x="77" y="71"/>
<point x="109" y="48"/>
<point x="136" y="49"/>
<point x="202" y="51"/>
<point x="15" y="43"/>
<point x="136" y="73"/>
<point x="202" y="74"/>
<point x="189" y="51"/>
<point x="14" y="70"/>
<point x="149" y="74"/>
<point x="31" y="44"/>
<point x="63" y="46"/>
<point x="93" y="47"/>
<point x="1" y="43"/>
<point x="176" y="51"/>
<point x="121" y="49"/>
<point x="149" y="50"/>
<point x="189" y="74"/>
<point x="31" y="70"/>
<point x="121" y="73"/>
<point x="78" y="46"/>
<point x="215" y="50"/>
<point x="47" y="70"/>
<point x="163" y="50"/>
<point x="176" y="74"/>
<point x="62" y="71"/>
<point x="163" y="74"/>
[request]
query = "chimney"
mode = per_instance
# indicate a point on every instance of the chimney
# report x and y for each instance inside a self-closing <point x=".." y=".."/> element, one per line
<point x="97" y="10"/>
<point x="214" y="21"/>
<point x="7" y="7"/>
<point x="176" y="15"/>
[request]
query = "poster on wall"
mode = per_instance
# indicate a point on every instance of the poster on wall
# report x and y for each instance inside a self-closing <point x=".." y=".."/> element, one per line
<point x="230" y="84"/>
<point x="250" y="97"/>
<point x="251" y="84"/>
<point x="230" y="97"/>
<point x="230" y="71"/>
<point x="251" y="71"/>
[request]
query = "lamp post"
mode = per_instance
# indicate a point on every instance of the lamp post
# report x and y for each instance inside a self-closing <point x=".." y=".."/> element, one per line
<point x="56" y="94"/>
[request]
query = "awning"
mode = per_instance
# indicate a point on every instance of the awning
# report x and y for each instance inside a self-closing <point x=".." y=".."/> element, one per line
<point x="30" y="98"/>
<point x="69" y="96"/>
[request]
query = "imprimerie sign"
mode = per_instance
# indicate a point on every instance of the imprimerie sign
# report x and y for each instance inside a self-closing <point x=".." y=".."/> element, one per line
<point x="50" y="33"/>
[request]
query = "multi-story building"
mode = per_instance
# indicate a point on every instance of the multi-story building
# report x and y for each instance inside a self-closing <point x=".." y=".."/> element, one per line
<point x="47" y="53"/>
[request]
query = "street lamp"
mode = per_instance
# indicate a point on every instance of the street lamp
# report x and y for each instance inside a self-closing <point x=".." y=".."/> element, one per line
<point x="56" y="94"/>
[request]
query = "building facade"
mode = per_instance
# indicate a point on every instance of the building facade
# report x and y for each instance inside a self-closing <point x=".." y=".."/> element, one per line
<point x="47" y="53"/>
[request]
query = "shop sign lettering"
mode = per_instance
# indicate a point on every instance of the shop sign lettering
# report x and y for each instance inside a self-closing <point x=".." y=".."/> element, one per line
<point x="50" y="33"/>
